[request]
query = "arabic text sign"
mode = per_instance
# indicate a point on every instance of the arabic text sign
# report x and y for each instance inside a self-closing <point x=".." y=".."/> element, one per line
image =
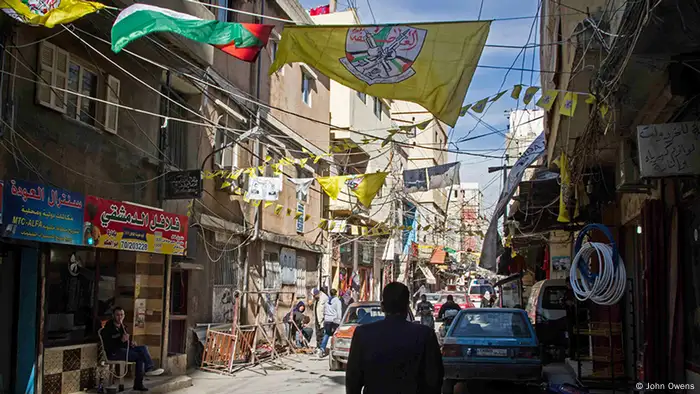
<point x="183" y="185"/>
<point x="41" y="213"/>
<point x="669" y="149"/>
<point x="124" y="226"/>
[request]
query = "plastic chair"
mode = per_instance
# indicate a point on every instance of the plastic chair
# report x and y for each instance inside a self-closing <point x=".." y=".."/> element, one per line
<point x="117" y="365"/>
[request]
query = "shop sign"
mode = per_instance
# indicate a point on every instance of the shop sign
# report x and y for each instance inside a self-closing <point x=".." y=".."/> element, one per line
<point x="35" y="212"/>
<point x="181" y="185"/>
<point x="125" y="226"/>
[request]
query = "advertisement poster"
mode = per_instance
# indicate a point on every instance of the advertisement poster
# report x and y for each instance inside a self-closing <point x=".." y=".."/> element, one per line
<point x="36" y="212"/>
<point x="124" y="226"/>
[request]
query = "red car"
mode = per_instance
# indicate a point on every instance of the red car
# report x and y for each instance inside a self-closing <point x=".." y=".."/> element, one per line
<point x="459" y="298"/>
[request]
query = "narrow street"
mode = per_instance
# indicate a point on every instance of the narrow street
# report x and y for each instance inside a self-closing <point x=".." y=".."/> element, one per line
<point x="304" y="375"/>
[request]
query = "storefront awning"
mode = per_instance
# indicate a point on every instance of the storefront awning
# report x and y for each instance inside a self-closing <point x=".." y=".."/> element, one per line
<point x="429" y="277"/>
<point x="438" y="256"/>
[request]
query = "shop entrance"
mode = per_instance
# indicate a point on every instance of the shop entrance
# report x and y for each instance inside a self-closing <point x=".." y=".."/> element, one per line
<point x="8" y="296"/>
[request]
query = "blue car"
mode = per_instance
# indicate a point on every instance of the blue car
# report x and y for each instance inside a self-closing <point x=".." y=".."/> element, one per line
<point x="491" y="344"/>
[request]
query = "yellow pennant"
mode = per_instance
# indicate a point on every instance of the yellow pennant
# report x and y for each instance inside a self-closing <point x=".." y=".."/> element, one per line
<point x="289" y="211"/>
<point x="234" y="175"/>
<point x="480" y="105"/>
<point x="278" y="209"/>
<point x="323" y="224"/>
<point x="498" y="96"/>
<point x="364" y="230"/>
<point x="424" y="124"/>
<point x="268" y="158"/>
<point x="246" y="199"/>
<point x="464" y="110"/>
<point x="530" y="94"/>
<point x="547" y="100"/>
<point x="568" y="107"/>
<point x="256" y="203"/>
<point x="604" y="109"/>
<point x="238" y="191"/>
<point x="590" y="99"/>
<point x="354" y="230"/>
<point x="297" y="215"/>
<point x="268" y="204"/>
<point x="516" y="91"/>
<point x="307" y="217"/>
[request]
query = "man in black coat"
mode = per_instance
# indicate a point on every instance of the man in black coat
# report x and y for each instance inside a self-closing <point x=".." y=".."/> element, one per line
<point x="394" y="355"/>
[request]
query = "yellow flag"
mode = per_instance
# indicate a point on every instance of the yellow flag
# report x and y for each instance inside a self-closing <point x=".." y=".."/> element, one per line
<point x="268" y="204"/>
<point x="529" y="94"/>
<point x="547" y="100"/>
<point x="516" y="91"/>
<point x="604" y="109"/>
<point x="430" y="64"/>
<point x="49" y="13"/>
<point x="590" y="99"/>
<point x="424" y="124"/>
<point x="289" y="211"/>
<point x="568" y="107"/>
<point x="464" y="110"/>
<point x="297" y="215"/>
<point x="332" y="185"/>
<point x="238" y="191"/>
<point x="479" y="106"/>
<point x="278" y="209"/>
<point x="354" y="230"/>
<point x="498" y="96"/>
<point x="307" y="217"/>
<point x="256" y="203"/>
<point x="364" y="230"/>
<point x="366" y="186"/>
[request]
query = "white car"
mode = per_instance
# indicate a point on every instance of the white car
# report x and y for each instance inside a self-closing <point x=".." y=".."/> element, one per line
<point x="477" y="291"/>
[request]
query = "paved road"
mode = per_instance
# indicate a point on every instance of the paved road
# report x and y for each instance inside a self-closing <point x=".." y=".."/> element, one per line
<point x="304" y="375"/>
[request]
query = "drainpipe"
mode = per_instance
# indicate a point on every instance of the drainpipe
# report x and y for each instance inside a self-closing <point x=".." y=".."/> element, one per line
<point x="258" y="151"/>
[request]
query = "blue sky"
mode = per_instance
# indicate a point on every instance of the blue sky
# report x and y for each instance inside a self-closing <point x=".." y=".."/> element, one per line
<point x="486" y="82"/>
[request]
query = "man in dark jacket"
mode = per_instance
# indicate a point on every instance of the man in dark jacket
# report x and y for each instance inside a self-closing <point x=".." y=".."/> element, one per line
<point x="118" y="346"/>
<point x="449" y="305"/>
<point x="394" y="355"/>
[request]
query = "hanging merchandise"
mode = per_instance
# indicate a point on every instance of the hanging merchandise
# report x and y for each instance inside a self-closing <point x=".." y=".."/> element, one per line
<point x="264" y="188"/>
<point x="48" y="13"/>
<point x="443" y="176"/>
<point x="608" y="285"/>
<point x="240" y="40"/>
<point x="401" y="62"/>
<point x="302" y="186"/>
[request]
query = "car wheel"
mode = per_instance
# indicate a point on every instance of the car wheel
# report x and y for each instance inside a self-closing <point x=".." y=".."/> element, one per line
<point x="334" y="365"/>
<point x="448" y="386"/>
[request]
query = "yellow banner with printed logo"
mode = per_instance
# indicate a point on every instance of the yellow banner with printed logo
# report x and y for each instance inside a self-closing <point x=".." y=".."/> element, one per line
<point x="49" y="13"/>
<point x="431" y="64"/>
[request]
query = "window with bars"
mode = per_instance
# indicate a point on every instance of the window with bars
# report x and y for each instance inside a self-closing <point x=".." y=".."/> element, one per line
<point x="226" y="270"/>
<point x="273" y="272"/>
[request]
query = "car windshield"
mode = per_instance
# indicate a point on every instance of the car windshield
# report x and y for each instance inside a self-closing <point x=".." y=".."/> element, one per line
<point x="480" y="289"/>
<point x="458" y="298"/>
<point x="491" y="324"/>
<point x="363" y="314"/>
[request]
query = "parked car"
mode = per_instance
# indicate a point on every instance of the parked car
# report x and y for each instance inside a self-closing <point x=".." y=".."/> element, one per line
<point x="548" y="314"/>
<point x="357" y="314"/>
<point x="477" y="291"/>
<point x="459" y="298"/>
<point x="491" y="344"/>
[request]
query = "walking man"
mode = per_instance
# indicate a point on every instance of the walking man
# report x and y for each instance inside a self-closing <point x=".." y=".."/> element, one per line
<point x="425" y="309"/>
<point x="320" y="301"/>
<point x="331" y="320"/>
<point x="394" y="356"/>
<point x="118" y="346"/>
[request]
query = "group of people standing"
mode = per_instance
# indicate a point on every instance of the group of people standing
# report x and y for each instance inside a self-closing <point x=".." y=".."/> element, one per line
<point x="328" y="310"/>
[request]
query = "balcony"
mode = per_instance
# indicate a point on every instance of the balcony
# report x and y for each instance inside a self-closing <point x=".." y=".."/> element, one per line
<point x="201" y="53"/>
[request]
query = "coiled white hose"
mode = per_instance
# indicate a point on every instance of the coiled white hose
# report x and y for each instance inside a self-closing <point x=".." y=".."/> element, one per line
<point x="609" y="285"/>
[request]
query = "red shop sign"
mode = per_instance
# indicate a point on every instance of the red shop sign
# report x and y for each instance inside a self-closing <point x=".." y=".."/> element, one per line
<point x="120" y="225"/>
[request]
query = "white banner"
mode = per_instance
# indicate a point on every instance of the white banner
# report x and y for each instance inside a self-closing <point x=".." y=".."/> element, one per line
<point x="488" y="251"/>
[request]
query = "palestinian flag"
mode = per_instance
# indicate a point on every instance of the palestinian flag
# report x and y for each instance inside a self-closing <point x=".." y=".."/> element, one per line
<point x="241" y="40"/>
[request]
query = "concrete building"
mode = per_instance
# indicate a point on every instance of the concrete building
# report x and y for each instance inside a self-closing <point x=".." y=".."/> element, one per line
<point x="61" y="130"/>
<point x="524" y="125"/>
<point x="357" y="118"/>
<point x="464" y="219"/>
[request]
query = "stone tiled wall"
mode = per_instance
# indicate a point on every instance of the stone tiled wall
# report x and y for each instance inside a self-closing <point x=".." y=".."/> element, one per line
<point x="69" y="369"/>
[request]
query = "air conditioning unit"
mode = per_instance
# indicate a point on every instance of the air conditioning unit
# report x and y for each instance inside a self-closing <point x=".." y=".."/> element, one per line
<point x="627" y="175"/>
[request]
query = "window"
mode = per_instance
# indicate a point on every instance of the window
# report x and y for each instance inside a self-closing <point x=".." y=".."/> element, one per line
<point x="83" y="80"/>
<point x="491" y="324"/>
<point x="226" y="269"/>
<point x="362" y="97"/>
<point x="79" y="301"/>
<point x="227" y="157"/>
<point x="455" y="193"/>
<point x="59" y="69"/>
<point x="273" y="274"/>
<point x="378" y="108"/>
<point x="176" y="131"/>
<point x="306" y="82"/>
